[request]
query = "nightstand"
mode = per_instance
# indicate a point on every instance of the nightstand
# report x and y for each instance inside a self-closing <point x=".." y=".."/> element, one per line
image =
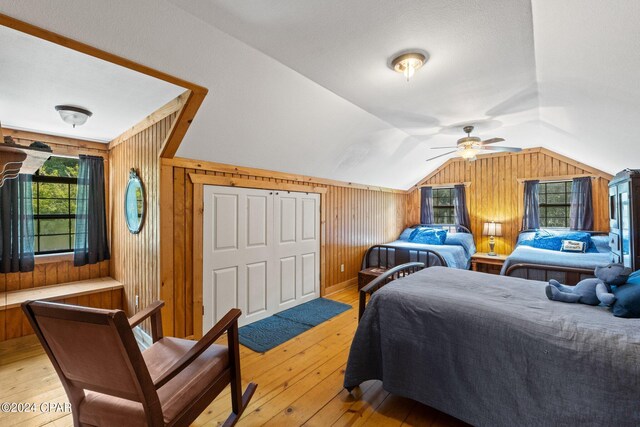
<point x="368" y="274"/>
<point x="482" y="261"/>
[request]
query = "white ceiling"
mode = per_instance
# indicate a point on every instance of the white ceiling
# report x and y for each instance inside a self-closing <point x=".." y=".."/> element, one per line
<point x="303" y="86"/>
<point x="36" y="75"/>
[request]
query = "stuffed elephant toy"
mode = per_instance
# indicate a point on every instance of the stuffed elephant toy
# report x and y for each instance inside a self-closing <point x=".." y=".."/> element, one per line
<point x="591" y="291"/>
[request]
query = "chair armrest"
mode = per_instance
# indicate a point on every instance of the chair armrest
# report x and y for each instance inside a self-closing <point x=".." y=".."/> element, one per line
<point x="139" y="317"/>
<point x="227" y="322"/>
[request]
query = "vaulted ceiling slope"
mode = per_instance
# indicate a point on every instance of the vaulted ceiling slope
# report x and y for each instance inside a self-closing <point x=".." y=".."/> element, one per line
<point x="303" y="87"/>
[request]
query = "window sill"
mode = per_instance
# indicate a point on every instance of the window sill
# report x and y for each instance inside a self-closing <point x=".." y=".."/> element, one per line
<point x="51" y="258"/>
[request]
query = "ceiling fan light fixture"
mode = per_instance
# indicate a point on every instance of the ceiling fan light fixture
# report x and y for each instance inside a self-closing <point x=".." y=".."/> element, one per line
<point x="75" y="116"/>
<point x="468" y="153"/>
<point x="408" y="63"/>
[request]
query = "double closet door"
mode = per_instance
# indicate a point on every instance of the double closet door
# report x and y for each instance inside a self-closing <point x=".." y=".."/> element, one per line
<point x="261" y="252"/>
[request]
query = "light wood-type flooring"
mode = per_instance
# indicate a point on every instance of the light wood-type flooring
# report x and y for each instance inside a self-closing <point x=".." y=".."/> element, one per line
<point x="299" y="383"/>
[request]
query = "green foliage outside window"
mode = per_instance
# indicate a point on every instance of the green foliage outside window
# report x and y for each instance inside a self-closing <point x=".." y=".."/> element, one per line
<point x="443" y="209"/>
<point x="54" y="205"/>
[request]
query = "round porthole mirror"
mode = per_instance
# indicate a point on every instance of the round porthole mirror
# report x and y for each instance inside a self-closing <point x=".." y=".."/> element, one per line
<point x="134" y="203"/>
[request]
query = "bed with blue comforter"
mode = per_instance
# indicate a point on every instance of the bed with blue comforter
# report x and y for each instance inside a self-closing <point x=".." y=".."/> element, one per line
<point x="546" y="261"/>
<point x="453" y="247"/>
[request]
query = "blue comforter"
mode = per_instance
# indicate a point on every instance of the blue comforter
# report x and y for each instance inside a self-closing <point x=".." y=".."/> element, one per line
<point x="456" y="250"/>
<point x="530" y="255"/>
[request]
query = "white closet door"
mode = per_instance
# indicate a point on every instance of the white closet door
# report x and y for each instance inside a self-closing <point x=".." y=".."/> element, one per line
<point x="297" y="247"/>
<point x="261" y="252"/>
<point x="238" y="234"/>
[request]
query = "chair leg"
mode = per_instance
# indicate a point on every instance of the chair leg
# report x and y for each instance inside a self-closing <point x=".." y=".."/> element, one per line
<point x="246" y="397"/>
<point x="239" y="401"/>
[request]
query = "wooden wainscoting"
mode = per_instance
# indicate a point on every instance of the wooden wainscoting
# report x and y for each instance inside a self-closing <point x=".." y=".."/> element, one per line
<point x="495" y="192"/>
<point x="134" y="257"/>
<point x="356" y="217"/>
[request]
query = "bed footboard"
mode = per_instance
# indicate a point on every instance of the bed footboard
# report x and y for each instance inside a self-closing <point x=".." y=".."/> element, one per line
<point x="388" y="276"/>
<point x="572" y="275"/>
<point x="390" y="256"/>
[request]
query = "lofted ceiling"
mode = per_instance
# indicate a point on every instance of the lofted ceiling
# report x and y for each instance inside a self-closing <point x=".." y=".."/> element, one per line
<point x="304" y="87"/>
<point x="36" y="75"/>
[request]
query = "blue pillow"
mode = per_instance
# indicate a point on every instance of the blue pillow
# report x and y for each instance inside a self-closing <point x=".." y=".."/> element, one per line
<point x="429" y="237"/>
<point x="552" y="239"/>
<point x="406" y="234"/>
<point x="627" y="299"/>
<point x="415" y="231"/>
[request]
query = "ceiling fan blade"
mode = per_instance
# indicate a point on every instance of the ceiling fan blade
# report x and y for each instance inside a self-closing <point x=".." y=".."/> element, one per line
<point x="492" y="141"/>
<point x="442" y="148"/>
<point x="498" y="149"/>
<point x="441" y="155"/>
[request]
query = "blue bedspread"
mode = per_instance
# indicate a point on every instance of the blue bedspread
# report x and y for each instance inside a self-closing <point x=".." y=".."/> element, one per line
<point x="456" y="251"/>
<point x="531" y="255"/>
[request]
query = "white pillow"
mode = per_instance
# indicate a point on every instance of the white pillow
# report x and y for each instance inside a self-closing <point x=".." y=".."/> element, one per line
<point x="573" y="246"/>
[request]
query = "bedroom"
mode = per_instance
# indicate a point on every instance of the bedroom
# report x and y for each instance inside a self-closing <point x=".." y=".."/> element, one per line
<point x="294" y="110"/>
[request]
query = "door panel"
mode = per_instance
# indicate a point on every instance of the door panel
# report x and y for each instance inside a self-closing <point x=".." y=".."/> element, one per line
<point x="257" y="220"/>
<point x="287" y="279"/>
<point x="257" y="288"/>
<point x="287" y="219"/>
<point x="225" y="233"/>
<point x="309" y="210"/>
<point x="308" y="274"/>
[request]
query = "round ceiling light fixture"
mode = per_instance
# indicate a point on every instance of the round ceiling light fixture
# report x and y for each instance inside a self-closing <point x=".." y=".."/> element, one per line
<point x="407" y="63"/>
<point x="75" y="116"/>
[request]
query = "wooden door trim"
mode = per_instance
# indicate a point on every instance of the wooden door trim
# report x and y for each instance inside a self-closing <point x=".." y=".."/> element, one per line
<point x="199" y="181"/>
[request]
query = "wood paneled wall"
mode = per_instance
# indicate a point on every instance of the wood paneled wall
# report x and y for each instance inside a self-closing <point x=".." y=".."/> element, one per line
<point x="134" y="257"/>
<point x="62" y="269"/>
<point x="356" y="218"/>
<point x="495" y="192"/>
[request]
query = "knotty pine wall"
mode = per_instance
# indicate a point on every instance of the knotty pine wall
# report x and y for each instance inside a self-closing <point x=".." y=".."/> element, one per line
<point x="135" y="257"/>
<point x="496" y="194"/>
<point x="356" y="218"/>
<point x="57" y="269"/>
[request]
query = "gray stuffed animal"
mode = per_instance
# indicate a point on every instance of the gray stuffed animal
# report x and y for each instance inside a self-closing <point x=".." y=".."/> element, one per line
<point x="591" y="291"/>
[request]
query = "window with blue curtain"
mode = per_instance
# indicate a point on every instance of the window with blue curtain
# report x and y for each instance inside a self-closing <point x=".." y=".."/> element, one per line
<point x="91" y="243"/>
<point x="16" y="225"/>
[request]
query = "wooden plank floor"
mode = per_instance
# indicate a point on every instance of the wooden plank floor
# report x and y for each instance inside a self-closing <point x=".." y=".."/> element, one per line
<point x="299" y="383"/>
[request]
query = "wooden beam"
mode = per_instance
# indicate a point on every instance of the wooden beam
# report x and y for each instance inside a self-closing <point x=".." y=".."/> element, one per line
<point x="67" y="42"/>
<point x="169" y="108"/>
<point x="253" y="183"/>
<point x="241" y="170"/>
<point x="53" y="139"/>
<point x="180" y="126"/>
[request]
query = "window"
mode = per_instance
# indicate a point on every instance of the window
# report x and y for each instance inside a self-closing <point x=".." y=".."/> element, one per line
<point x="555" y="203"/>
<point x="443" y="210"/>
<point x="54" y="205"/>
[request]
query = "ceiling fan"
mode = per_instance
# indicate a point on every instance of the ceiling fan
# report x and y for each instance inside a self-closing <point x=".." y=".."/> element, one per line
<point x="470" y="146"/>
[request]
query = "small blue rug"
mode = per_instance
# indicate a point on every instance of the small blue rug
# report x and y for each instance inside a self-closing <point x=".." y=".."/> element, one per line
<point x="268" y="333"/>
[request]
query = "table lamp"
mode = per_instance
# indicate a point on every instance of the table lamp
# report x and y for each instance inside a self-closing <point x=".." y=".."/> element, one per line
<point x="492" y="229"/>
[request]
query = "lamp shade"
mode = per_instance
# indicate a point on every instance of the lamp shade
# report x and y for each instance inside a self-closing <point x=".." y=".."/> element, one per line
<point x="492" y="229"/>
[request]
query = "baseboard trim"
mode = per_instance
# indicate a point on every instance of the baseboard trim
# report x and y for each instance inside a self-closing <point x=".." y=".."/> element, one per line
<point x="340" y="286"/>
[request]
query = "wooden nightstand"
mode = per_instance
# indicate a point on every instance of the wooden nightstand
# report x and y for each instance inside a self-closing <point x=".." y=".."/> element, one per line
<point x="482" y="261"/>
<point x="368" y="274"/>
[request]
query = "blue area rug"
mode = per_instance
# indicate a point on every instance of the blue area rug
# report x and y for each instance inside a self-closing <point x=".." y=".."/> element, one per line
<point x="268" y="333"/>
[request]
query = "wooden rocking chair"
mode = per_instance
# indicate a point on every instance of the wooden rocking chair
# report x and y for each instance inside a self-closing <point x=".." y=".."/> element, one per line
<point x="109" y="381"/>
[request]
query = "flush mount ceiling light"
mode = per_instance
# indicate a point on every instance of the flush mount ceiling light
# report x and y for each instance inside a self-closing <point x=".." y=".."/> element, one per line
<point x="75" y="116"/>
<point x="407" y="63"/>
